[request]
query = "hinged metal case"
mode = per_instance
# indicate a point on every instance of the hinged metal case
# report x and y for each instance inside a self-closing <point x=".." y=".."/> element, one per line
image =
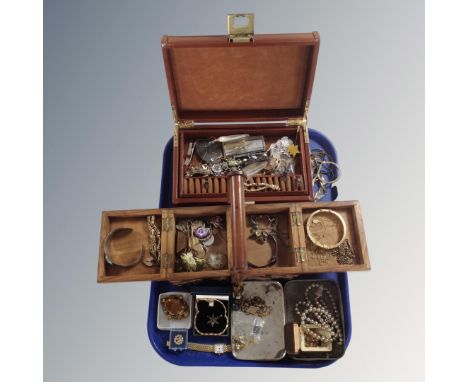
<point x="240" y="83"/>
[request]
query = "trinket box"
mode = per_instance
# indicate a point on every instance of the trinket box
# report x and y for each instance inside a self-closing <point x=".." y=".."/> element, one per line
<point x="190" y="243"/>
<point x="241" y="100"/>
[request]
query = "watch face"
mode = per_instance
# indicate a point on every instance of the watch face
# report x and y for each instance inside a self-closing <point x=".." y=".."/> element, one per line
<point x="219" y="348"/>
<point x="326" y="228"/>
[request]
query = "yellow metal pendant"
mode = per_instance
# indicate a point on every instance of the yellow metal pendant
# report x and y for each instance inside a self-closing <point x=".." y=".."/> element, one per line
<point x="293" y="150"/>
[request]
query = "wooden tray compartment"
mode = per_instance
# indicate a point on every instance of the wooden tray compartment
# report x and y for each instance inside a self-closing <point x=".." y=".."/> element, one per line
<point x="287" y="240"/>
<point x="135" y="220"/>
<point x="295" y="251"/>
<point x="316" y="260"/>
<point x="175" y="241"/>
<point x="213" y="189"/>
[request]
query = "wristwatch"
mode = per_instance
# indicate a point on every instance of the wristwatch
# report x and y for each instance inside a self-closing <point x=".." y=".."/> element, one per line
<point x="207" y="348"/>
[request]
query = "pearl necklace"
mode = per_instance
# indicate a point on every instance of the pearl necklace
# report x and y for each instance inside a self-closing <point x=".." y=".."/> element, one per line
<point x="315" y="312"/>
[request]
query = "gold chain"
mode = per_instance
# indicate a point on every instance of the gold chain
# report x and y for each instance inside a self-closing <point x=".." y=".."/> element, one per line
<point x="210" y="334"/>
<point x="155" y="241"/>
<point x="252" y="187"/>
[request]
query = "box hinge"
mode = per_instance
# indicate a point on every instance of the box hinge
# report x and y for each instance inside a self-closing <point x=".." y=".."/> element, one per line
<point x="296" y="218"/>
<point x="302" y="122"/>
<point x="179" y="124"/>
<point x="184" y="124"/>
<point x="167" y="223"/>
<point x="165" y="259"/>
<point x="241" y="27"/>
<point x="300" y="254"/>
<point x="297" y="122"/>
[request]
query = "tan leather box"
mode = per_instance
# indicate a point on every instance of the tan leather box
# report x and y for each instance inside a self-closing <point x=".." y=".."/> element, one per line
<point x="240" y="83"/>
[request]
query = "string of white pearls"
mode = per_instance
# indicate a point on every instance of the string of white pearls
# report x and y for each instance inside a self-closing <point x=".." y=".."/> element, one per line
<point x="316" y="312"/>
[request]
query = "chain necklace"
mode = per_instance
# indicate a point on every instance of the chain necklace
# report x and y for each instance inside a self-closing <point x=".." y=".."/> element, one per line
<point x="253" y="187"/>
<point x="154" y="243"/>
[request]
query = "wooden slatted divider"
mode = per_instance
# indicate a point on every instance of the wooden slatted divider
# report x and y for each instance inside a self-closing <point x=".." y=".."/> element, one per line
<point x="197" y="186"/>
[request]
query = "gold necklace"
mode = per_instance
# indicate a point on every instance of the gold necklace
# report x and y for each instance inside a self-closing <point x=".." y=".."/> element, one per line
<point x="212" y="320"/>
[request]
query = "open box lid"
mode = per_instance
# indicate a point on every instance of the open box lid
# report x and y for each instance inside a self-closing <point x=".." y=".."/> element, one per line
<point x="240" y="77"/>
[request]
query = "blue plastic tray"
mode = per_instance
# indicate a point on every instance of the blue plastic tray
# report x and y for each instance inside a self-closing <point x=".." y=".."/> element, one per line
<point x="158" y="338"/>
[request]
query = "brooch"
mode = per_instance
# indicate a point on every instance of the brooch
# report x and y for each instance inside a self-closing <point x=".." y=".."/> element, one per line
<point x="174" y="307"/>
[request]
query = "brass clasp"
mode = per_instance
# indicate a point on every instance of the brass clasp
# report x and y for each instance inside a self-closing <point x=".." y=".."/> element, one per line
<point x="300" y="255"/>
<point x="240" y="27"/>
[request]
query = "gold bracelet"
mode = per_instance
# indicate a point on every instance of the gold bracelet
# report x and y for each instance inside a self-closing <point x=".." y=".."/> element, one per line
<point x="215" y="348"/>
<point x="260" y="187"/>
<point x="314" y="219"/>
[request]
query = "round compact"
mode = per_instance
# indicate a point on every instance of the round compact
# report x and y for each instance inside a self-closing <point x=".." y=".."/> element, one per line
<point x="326" y="229"/>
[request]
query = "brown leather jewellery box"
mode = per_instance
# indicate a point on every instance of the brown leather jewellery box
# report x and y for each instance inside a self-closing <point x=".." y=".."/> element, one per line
<point x="222" y="86"/>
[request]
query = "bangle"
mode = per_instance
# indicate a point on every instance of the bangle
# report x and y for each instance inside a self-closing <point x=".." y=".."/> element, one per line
<point x="273" y="258"/>
<point x="113" y="260"/>
<point x="262" y="228"/>
<point x="316" y="220"/>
